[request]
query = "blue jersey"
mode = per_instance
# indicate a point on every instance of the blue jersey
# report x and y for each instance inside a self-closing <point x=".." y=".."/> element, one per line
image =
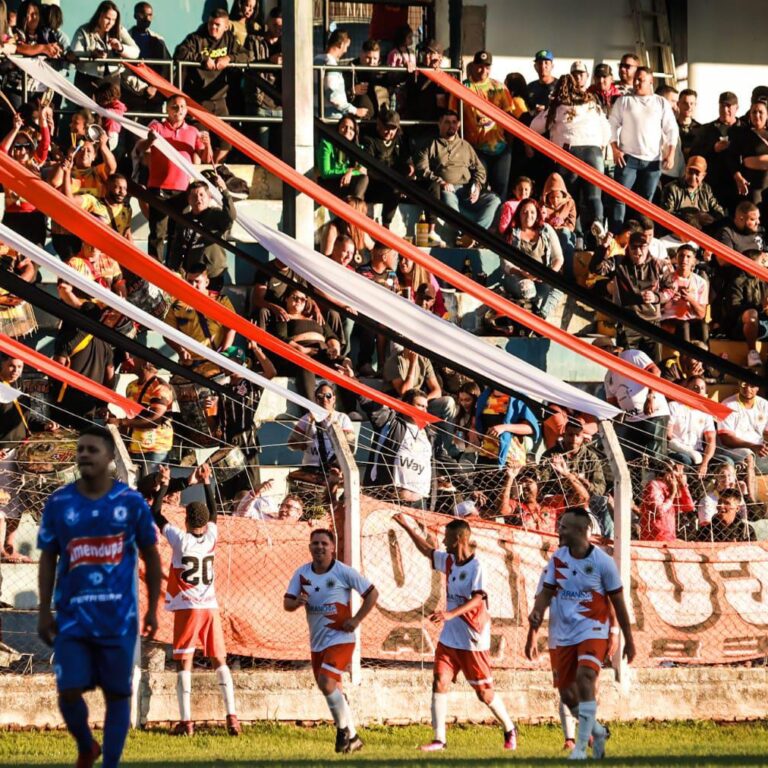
<point x="97" y="543"/>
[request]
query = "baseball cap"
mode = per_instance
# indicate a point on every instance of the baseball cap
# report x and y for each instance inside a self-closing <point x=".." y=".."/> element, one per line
<point x="728" y="97"/>
<point x="697" y="161"/>
<point x="603" y="70"/>
<point x="578" y="66"/>
<point x="604" y="342"/>
<point x="544" y="55"/>
<point x="389" y="117"/>
<point x="433" y="45"/>
<point x="483" y="57"/>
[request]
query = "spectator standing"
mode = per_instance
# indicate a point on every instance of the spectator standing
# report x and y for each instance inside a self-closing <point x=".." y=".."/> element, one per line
<point x="576" y="122"/>
<point x="151" y="44"/>
<point x="336" y="104"/>
<point x="646" y="413"/>
<point x="691" y="191"/>
<point x="664" y="499"/>
<point x="605" y="90"/>
<point x="713" y="144"/>
<point x="424" y="99"/>
<point x="627" y="71"/>
<point x="337" y="172"/>
<point x="456" y="175"/>
<point x="165" y="179"/>
<point x="102" y="37"/>
<point x="214" y="47"/>
<point x="391" y="148"/>
<point x="244" y="19"/>
<point x="487" y="137"/>
<point x="369" y="90"/>
<point x="687" y="124"/>
<point x="749" y="154"/>
<point x="643" y="138"/>
<point x="684" y="312"/>
<point x="541" y="89"/>
<point x="266" y="48"/>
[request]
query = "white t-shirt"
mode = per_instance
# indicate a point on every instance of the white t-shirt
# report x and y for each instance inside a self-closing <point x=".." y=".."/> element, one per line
<point x="471" y="631"/>
<point x="580" y="606"/>
<point x="747" y="423"/>
<point x="191" y="578"/>
<point x="257" y="507"/>
<point x="329" y="596"/>
<point x="679" y="309"/>
<point x="413" y="463"/>
<point x="308" y="426"/>
<point x="689" y="425"/>
<point x="631" y="395"/>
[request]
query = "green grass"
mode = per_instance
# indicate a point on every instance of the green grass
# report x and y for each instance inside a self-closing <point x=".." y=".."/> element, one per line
<point x="655" y="744"/>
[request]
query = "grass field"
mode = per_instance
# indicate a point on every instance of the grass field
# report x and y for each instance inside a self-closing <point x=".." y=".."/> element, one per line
<point x="680" y="744"/>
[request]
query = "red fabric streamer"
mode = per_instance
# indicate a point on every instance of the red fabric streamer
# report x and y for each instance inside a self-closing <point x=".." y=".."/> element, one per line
<point x="606" y="183"/>
<point x="504" y="307"/>
<point x="71" y="378"/>
<point x="52" y="202"/>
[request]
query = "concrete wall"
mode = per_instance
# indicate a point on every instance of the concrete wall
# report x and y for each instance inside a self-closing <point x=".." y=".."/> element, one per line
<point x="402" y="696"/>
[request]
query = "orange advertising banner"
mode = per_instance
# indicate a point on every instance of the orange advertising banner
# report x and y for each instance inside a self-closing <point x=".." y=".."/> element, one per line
<point x="690" y="603"/>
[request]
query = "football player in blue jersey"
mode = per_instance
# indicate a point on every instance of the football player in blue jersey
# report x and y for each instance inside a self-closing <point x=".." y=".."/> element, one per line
<point x="90" y="535"/>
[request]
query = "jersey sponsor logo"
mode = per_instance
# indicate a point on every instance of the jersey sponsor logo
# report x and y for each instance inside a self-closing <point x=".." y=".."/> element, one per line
<point x="96" y="550"/>
<point x="409" y="463"/>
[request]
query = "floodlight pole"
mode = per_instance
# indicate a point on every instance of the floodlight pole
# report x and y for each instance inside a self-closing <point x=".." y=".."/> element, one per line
<point x="622" y="518"/>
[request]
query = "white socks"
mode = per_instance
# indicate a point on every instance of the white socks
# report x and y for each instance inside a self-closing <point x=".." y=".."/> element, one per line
<point x="587" y="716"/>
<point x="224" y="676"/>
<point x="184" y="694"/>
<point x="340" y="712"/>
<point x="500" y="712"/>
<point x="568" y="722"/>
<point x="439" y="713"/>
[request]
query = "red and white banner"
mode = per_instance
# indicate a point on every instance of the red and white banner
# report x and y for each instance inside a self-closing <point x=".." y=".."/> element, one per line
<point x="690" y="603"/>
<point x="502" y="305"/>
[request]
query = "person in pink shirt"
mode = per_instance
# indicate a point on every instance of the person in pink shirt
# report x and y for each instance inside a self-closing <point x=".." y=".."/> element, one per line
<point x="664" y="498"/>
<point x="684" y="313"/>
<point x="522" y="190"/>
<point x="165" y="179"/>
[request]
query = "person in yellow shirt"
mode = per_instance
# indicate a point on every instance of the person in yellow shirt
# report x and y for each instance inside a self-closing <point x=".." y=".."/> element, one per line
<point x="487" y="137"/>
<point x="151" y="432"/>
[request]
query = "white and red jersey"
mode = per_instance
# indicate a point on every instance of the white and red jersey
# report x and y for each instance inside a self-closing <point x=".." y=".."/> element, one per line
<point x="329" y="596"/>
<point x="191" y="578"/>
<point x="472" y="630"/>
<point x="579" y="610"/>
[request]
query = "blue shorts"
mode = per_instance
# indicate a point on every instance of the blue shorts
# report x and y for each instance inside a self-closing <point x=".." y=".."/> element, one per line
<point x="87" y="663"/>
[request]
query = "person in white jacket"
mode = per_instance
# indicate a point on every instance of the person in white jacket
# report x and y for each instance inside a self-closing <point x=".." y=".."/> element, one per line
<point x="101" y="38"/>
<point x="644" y="135"/>
<point x="576" y="122"/>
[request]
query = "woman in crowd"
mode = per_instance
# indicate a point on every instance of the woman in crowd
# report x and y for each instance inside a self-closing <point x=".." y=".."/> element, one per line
<point x="411" y="275"/>
<point x="338" y="226"/>
<point x="749" y="154"/>
<point x="53" y="18"/>
<point x="402" y="53"/>
<point x="20" y="215"/>
<point x="336" y="172"/>
<point x="100" y="38"/>
<point x="538" y="240"/>
<point x="518" y="90"/>
<point x="575" y="120"/>
<point x="466" y="440"/>
<point x="305" y="334"/>
<point x="243" y="19"/>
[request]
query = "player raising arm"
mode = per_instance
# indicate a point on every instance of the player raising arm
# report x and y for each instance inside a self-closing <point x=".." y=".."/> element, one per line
<point x="90" y="534"/>
<point x="191" y="597"/>
<point x="580" y="581"/>
<point x="465" y="639"/>
<point x="324" y="588"/>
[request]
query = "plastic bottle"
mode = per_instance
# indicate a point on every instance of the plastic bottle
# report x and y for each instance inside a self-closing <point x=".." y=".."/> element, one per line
<point x="422" y="231"/>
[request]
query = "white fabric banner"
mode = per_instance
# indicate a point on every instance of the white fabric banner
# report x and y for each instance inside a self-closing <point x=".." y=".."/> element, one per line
<point x="424" y="328"/>
<point x="66" y="273"/>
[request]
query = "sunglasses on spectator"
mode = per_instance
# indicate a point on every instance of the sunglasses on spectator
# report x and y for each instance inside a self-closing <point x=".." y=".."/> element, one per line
<point x="324" y="396"/>
<point x="625" y="65"/>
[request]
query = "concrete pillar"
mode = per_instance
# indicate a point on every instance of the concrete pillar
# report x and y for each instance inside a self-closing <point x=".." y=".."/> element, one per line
<point x="298" y="116"/>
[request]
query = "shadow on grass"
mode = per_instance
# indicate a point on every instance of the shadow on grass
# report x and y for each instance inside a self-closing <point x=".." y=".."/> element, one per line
<point x="430" y="762"/>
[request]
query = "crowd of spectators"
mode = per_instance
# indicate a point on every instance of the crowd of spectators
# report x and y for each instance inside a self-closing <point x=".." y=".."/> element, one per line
<point x="480" y="455"/>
